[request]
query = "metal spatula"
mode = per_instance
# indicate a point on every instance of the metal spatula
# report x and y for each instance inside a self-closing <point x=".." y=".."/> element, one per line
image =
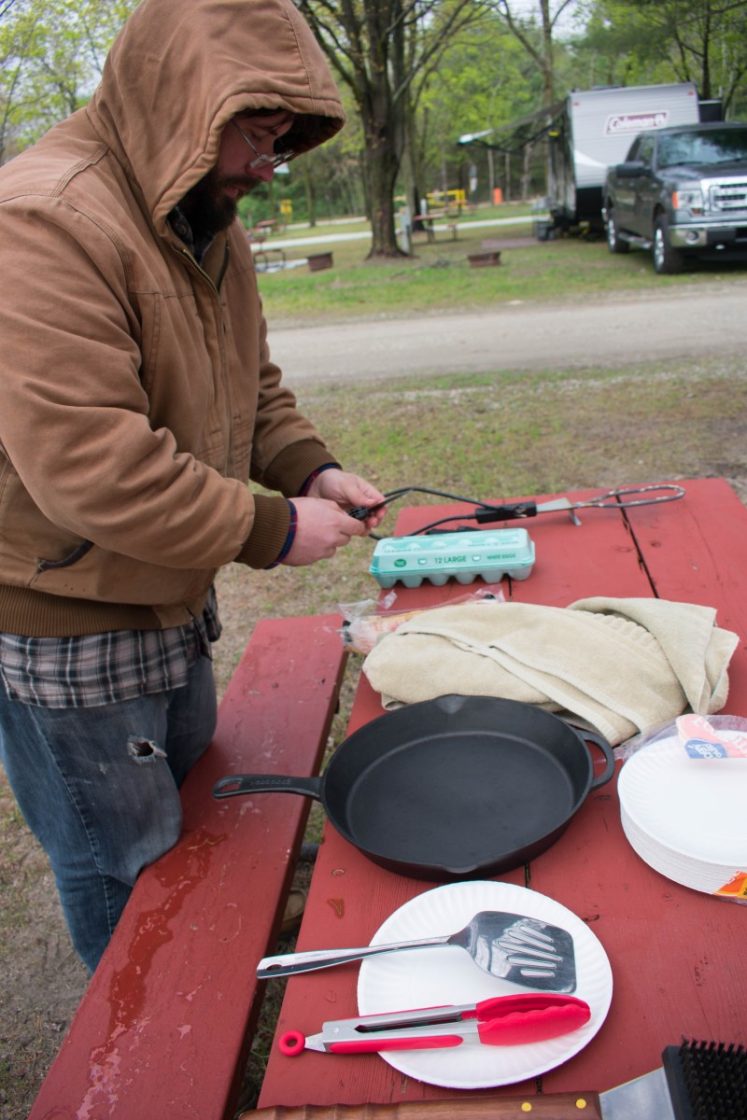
<point x="512" y="947"/>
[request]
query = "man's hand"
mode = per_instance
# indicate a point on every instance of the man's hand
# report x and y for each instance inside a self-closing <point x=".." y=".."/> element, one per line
<point x="350" y="491"/>
<point x="321" y="528"/>
<point x="322" y="524"/>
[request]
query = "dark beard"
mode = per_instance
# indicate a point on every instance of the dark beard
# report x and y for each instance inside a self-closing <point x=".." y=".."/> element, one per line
<point x="207" y="209"/>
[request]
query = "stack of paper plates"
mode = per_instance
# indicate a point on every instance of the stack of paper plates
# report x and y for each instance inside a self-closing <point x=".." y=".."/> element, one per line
<point x="686" y="817"/>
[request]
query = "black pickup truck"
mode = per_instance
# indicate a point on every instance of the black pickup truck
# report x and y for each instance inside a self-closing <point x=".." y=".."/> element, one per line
<point x="681" y="192"/>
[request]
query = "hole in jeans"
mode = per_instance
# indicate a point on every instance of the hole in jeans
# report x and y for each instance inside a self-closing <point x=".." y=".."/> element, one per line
<point x="143" y="750"/>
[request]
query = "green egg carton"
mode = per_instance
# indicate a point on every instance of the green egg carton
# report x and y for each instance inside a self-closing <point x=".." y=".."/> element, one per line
<point x="439" y="557"/>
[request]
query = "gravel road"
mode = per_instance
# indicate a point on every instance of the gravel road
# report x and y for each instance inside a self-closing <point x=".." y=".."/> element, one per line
<point x="691" y="321"/>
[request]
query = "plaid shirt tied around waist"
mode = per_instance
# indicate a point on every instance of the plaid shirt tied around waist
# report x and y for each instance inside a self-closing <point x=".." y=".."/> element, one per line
<point x="95" y="669"/>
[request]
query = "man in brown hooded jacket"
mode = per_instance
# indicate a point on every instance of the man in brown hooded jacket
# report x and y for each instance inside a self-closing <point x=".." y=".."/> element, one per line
<point x="137" y="398"/>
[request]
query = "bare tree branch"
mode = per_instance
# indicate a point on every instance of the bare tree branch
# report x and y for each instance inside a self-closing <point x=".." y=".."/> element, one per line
<point x="465" y="15"/>
<point x="558" y="13"/>
<point x="503" y="9"/>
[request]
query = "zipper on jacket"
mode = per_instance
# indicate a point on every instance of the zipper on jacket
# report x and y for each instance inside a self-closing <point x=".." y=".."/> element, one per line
<point x="193" y="264"/>
<point x="224" y="366"/>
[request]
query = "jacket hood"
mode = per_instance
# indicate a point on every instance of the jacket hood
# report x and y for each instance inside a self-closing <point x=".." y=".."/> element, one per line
<point x="177" y="73"/>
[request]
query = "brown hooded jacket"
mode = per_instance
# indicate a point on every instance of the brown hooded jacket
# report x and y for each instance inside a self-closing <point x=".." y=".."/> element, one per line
<point x="137" y="394"/>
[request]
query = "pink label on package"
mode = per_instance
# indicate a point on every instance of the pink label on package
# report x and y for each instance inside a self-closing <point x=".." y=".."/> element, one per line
<point x="700" y="740"/>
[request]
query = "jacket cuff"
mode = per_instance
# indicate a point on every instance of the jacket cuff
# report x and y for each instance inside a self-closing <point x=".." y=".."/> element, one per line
<point x="272" y="522"/>
<point x="291" y="468"/>
<point x="289" y="538"/>
<point x="333" y="466"/>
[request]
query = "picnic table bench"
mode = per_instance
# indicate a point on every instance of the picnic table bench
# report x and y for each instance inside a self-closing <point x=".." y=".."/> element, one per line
<point x="267" y="256"/>
<point x="164" y="1027"/>
<point x="428" y="222"/>
<point x="261" y="230"/>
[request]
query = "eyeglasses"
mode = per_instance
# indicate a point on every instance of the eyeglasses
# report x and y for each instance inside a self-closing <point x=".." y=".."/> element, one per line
<point x="260" y="160"/>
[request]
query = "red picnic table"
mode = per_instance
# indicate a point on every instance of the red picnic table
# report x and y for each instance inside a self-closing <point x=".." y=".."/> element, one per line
<point x="676" y="954"/>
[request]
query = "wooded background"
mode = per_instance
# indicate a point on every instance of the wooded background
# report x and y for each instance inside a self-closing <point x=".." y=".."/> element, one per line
<point x="415" y="75"/>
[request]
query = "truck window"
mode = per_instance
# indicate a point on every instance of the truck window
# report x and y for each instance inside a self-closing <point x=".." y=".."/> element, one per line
<point x="709" y="148"/>
<point x="634" y="149"/>
<point x="646" y="150"/>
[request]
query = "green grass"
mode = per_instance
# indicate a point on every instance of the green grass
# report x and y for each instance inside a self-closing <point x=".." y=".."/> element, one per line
<point x="522" y="211"/>
<point x="499" y="436"/>
<point x="503" y="434"/>
<point x="438" y="277"/>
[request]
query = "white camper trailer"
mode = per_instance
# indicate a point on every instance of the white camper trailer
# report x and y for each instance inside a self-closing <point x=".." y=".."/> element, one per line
<point x="594" y="130"/>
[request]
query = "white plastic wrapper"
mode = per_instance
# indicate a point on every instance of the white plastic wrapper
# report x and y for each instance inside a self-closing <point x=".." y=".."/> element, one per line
<point x="365" y="622"/>
<point x="715" y="723"/>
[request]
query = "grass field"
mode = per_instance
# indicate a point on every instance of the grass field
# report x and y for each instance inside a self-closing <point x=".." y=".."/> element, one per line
<point x="497" y="436"/>
<point x="438" y="277"/>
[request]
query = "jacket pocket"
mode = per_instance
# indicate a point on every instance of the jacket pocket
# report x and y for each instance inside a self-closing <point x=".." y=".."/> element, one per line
<point x="66" y="561"/>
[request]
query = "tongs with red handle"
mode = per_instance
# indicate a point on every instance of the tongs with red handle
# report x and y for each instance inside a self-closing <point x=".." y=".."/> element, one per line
<point x="502" y="1021"/>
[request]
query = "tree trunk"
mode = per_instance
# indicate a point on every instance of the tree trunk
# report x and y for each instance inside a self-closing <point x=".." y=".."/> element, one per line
<point x="410" y="167"/>
<point x="705" y="76"/>
<point x="526" y="171"/>
<point x="310" y="191"/>
<point x="381" y="175"/>
<point x="383" y="125"/>
<point x="378" y="47"/>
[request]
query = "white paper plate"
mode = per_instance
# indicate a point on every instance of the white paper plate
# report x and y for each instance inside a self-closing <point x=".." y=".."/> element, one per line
<point x="685" y="817"/>
<point x="447" y="974"/>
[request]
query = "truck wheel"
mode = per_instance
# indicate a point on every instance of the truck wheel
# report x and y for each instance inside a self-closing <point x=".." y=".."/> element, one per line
<point x="666" y="259"/>
<point x="614" y="242"/>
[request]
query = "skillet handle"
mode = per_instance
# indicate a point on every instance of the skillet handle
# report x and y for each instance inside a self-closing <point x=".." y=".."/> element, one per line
<point x="236" y="784"/>
<point x="605" y="748"/>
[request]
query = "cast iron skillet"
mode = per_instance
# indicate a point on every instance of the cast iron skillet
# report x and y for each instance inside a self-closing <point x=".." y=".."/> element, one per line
<point x="451" y="788"/>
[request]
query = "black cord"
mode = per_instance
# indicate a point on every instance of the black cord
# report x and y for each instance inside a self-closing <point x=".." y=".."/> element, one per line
<point x="425" y="529"/>
<point x="484" y="511"/>
<point x="487" y="512"/>
<point x="361" y="512"/>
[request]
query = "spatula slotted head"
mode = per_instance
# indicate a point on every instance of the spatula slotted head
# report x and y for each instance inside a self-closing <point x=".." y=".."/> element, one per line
<point x="525" y="951"/>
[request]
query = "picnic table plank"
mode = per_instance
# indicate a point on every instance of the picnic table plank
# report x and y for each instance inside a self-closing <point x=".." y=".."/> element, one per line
<point x="684" y="557"/>
<point x="645" y="923"/>
<point x="162" y="1029"/>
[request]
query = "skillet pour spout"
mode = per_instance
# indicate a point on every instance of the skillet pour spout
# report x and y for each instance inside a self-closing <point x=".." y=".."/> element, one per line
<point x="453" y="788"/>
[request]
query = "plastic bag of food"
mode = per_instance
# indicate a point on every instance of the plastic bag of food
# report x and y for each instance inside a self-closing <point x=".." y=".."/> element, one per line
<point x="365" y="622"/>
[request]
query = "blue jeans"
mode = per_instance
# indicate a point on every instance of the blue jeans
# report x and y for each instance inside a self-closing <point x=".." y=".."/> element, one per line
<point x="99" y="788"/>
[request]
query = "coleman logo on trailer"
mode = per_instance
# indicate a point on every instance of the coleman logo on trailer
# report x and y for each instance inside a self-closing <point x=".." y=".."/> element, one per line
<point x="635" y="122"/>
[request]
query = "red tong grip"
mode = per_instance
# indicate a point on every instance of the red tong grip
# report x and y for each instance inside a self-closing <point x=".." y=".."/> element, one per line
<point x="518" y="1020"/>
